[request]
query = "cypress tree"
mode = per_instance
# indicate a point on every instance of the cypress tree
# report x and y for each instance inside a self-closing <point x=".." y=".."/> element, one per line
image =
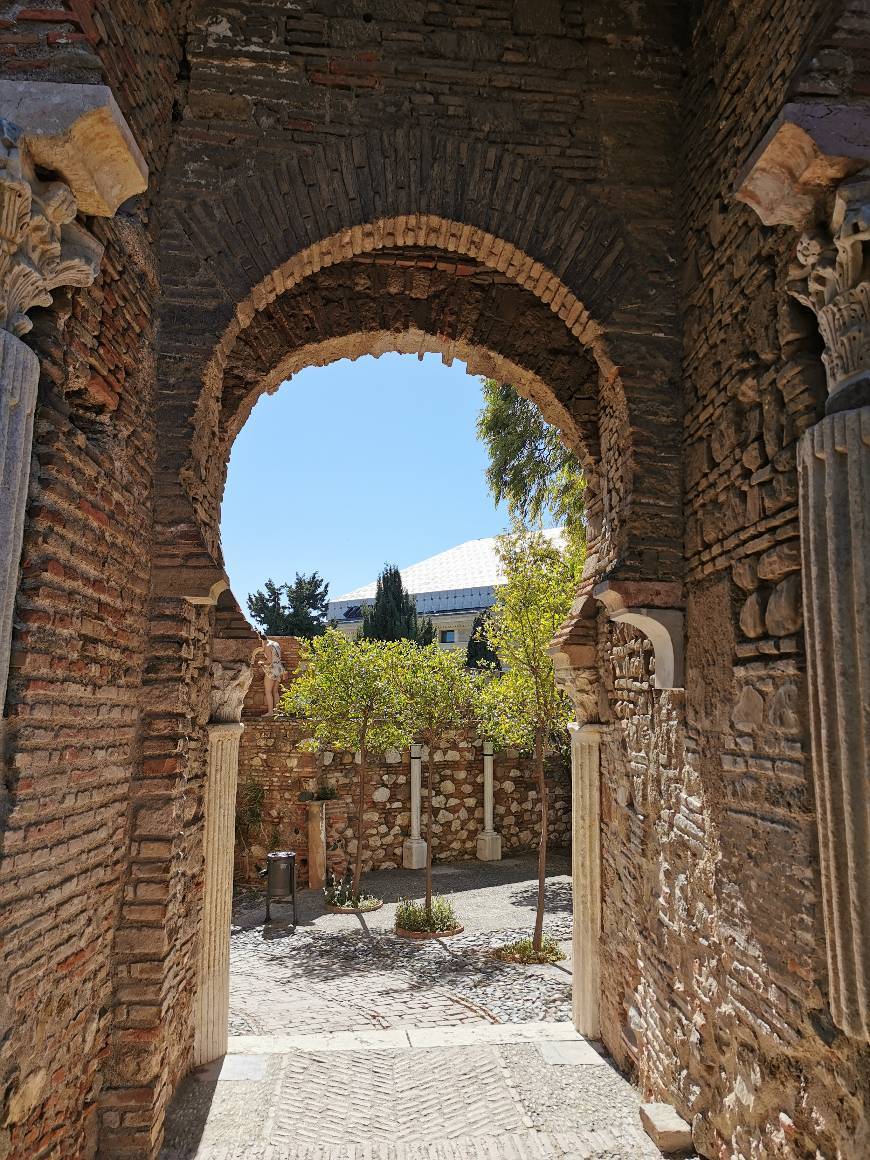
<point x="393" y="616"/>
<point x="480" y="654"/>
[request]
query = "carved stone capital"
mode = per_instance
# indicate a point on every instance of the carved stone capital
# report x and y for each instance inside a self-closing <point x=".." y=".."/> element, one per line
<point x="229" y="686"/>
<point x="830" y="277"/>
<point x="41" y="247"/>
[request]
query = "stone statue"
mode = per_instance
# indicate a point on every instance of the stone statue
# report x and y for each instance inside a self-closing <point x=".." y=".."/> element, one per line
<point x="267" y="656"/>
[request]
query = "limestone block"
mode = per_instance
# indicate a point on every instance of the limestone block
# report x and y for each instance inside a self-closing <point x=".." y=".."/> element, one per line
<point x="783" y="616"/>
<point x="381" y="794"/>
<point x="79" y="132"/>
<point x="748" y="713"/>
<point x="413" y="853"/>
<point x="392" y="757"/>
<point x="780" y="561"/>
<point x="752" y="616"/>
<point x="667" y="1130"/>
<point x="489" y="847"/>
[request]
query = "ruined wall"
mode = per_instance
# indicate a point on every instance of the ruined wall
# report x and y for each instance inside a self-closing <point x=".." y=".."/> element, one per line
<point x="270" y="756"/>
<point x="714" y="977"/>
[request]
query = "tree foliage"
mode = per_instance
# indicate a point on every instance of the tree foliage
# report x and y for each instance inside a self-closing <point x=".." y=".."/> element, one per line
<point x="347" y="691"/>
<point x="393" y="616"/>
<point x="524" y="708"/>
<point x="530" y="468"/>
<point x="480" y="654"/>
<point x="438" y="693"/>
<point x="297" y="609"/>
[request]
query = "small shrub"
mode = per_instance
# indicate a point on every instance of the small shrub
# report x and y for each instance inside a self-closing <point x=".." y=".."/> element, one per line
<point x="522" y="951"/>
<point x="339" y="892"/>
<point x="412" y="915"/>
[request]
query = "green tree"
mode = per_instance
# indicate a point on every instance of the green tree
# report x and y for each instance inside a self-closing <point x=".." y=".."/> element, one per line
<point x="529" y="466"/>
<point x="297" y="609"/>
<point x="524" y="708"/>
<point x="438" y="694"/>
<point x="480" y="654"/>
<point x="393" y="616"/>
<point x="347" y="691"/>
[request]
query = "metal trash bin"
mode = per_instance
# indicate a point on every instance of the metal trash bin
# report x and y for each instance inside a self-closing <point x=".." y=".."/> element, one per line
<point x="280" y="875"/>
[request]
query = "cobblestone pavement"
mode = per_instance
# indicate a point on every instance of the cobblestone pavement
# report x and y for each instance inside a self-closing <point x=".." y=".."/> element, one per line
<point x="340" y="972"/>
<point x="350" y="1044"/>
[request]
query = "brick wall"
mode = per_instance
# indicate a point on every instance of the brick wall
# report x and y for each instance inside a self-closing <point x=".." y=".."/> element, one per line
<point x="270" y="756"/>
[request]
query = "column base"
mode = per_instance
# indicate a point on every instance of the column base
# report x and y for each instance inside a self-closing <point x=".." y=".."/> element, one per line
<point x="489" y="847"/>
<point x="413" y="853"/>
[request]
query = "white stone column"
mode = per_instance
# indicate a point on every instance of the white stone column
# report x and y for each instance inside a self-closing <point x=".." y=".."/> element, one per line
<point x="213" y="977"/>
<point x="586" y="875"/>
<point x="834" y="466"/>
<point x="19" y="377"/>
<point x="488" y="841"/>
<point x="414" y="848"/>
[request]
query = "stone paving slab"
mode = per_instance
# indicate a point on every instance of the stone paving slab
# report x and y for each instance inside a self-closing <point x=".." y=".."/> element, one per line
<point x="549" y="1034"/>
<point x="500" y="1101"/>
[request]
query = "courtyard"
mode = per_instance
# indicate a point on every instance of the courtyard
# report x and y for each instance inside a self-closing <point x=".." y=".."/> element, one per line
<point x="347" y="1042"/>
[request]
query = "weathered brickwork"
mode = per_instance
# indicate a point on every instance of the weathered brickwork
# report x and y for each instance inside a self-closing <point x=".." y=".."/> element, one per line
<point x="544" y="190"/>
<point x="270" y="757"/>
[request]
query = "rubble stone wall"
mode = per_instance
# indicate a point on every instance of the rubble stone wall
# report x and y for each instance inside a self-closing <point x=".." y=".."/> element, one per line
<point x="270" y="757"/>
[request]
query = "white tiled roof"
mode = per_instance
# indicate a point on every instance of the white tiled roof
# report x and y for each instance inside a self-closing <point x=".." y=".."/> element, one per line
<point x="463" y="577"/>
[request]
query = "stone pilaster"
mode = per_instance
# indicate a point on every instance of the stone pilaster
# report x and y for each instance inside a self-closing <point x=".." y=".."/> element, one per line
<point x="488" y="841"/>
<point x="213" y="976"/>
<point x="834" y="483"/>
<point x="414" y="848"/>
<point x="586" y="875"/>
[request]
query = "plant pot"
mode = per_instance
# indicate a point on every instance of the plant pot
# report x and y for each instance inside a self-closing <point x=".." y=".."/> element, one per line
<point x="400" y="932"/>
<point x="364" y="909"/>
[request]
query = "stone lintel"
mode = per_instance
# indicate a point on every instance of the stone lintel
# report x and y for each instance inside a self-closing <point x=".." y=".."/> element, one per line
<point x="78" y="132"/>
<point x="808" y="150"/>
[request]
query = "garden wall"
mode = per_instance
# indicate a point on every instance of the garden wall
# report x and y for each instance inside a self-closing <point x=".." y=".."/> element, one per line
<point x="270" y="757"/>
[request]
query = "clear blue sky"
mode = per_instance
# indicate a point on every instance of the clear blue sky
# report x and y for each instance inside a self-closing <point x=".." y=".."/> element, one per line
<point x="355" y="465"/>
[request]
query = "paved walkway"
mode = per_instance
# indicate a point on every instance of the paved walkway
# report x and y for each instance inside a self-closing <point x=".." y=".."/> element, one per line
<point x="349" y="1044"/>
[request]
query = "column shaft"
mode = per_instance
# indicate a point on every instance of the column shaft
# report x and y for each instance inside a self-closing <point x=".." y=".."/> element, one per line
<point x="586" y="873"/>
<point x="414" y="848"/>
<point x="834" y="466"/>
<point x="488" y="841"/>
<point x="19" y="377"/>
<point x="213" y="996"/>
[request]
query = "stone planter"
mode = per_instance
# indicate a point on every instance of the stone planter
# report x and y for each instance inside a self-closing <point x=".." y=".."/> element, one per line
<point x="316" y="845"/>
<point x="364" y="909"/>
<point x="400" y="932"/>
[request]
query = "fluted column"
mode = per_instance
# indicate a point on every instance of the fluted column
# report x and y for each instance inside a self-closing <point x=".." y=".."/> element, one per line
<point x="586" y="875"/>
<point x="414" y="848"/>
<point x="834" y="484"/>
<point x="488" y="841"/>
<point x="213" y="989"/>
<point x="19" y="377"/>
<point x="834" y="465"/>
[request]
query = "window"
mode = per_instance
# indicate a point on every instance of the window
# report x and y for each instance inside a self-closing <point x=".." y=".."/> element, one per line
<point x="448" y="636"/>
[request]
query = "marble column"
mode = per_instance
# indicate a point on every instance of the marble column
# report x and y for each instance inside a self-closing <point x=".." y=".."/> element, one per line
<point x="213" y="978"/>
<point x="41" y="248"/>
<point x="834" y="485"/>
<point x="488" y="841"/>
<point x="414" y="848"/>
<point x="19" y="376"/>
<point x="586" y="875"/>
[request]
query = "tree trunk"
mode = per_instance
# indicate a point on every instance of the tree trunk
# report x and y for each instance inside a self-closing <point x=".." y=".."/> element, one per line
<point x="357" y="872"/>
<point x="431" y="766"/>
<point x="537" y="941"/>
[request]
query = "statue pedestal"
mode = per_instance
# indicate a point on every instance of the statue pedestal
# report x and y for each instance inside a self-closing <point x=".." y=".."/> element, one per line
<point x="413" y="853"/>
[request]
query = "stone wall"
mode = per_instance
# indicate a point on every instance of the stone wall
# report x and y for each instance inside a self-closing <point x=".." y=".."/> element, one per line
<point x="270" y="756"/>
<point x="713" y="970"/>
